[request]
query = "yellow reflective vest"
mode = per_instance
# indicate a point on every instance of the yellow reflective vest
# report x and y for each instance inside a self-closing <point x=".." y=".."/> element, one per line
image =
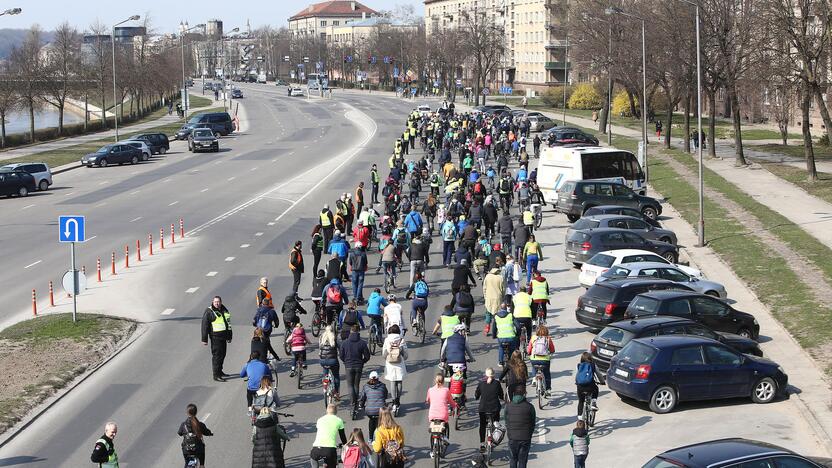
<point x="505" y="326"/>
<point x="522" y="305"/>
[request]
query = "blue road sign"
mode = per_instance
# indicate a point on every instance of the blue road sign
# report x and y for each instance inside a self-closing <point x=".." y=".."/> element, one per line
<point x="395" y="72"/>
<point x="71" y="229"/>
<point x="506" y="90"/>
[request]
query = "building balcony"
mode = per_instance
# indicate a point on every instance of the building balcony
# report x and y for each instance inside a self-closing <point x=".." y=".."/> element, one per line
<point x="557" y="66"/>
<point x="556" y="43"/>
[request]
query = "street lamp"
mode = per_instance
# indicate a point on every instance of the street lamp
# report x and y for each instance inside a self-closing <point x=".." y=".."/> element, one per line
<point x="11" y="11"/>
<point x="618" y="11"/>
<point x="701" y="225"/>
<point x="115" y="98"/>
<point x="185" y="29"/>
<point x="222" y="43"/>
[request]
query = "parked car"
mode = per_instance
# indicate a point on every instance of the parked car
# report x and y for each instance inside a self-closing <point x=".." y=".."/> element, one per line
<point x="208" y="86"/>
<point x="576" y="197"/>
<point x="606" y="302"/>
<point x="236" y="93"/>
<point x="617" y="334"/>
<point x="539" y="122"/>
<point x="581" y="245"/>
<point x="665" y="370"/>
<point x="142" y="146"/>
<point x="16" y="182"/>
<point x="711" y="311"/>
<point x="620" y="210"/>
<point x="295" y="91"/>
<point x="602" y="261"/>
<point x="40" y="171"/>
<point x="734" y="453"/>
<point x="115" y="153"/>
<point x="158" y="142"/>
<point x="558" y="136"/>
<point x="423" y="110"/>
<point x="280" y="83"/>
<point x="219" y="122"/>
<point x="664" y="271"/>
<point x="203" y="139"/>
<point x="625" y="222"/>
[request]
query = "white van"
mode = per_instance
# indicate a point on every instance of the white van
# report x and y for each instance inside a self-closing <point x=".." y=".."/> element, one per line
<point x="558" y="164"/>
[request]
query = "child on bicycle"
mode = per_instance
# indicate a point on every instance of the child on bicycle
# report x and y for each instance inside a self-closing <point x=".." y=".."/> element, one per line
<point x="457" y="385"/>
<point x="585" y="382"/>
<point x="298" y="342"/>
<point x="540" y="350"/>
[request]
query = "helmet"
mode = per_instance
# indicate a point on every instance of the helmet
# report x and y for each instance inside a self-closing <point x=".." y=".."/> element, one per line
<point x="458" y="367"/>
<point x="459" y="328"/>
<point x="391" y="297"/>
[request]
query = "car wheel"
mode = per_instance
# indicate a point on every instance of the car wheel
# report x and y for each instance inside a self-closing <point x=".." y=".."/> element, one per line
<point x="163" y="150"/>
<point x="670" y="257"/>
<point x="572" y="218"/>
<point x="764" y="391"/>
<point x="650" y="212"/>
<point x="103" y="162"/>
<point x="134" y="160"/>
<point x="22" y="192"/>
<point x="665" y="239"/>
<point x="712" y="294"/>
<point x="745" y="333"/>
<point x="43" y="185"/>
<point x="663" y="400"/>
<point x="577" y="265"/>
<point x="145" y="156"/>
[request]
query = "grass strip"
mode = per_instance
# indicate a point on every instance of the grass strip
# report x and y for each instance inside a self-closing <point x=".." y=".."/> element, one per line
<point x="796" y="151"/>
<point x="821" y="188"/>
<point x="48" y="328"/>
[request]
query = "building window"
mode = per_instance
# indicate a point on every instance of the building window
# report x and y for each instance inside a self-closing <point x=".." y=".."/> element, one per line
<point x="323" y="23"/>
<point x="336" y="22"/>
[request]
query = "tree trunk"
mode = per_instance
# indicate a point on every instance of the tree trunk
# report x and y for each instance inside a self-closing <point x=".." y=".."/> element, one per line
<point x="735" y="112"/>
<point x="602" y="118"/>
<point x="2" y="129"/>
<point x="86" y="112"/>
<point x="61" y="117"/>
<point x="808" y="151"/>
<point x="103" y="109"/>
<point x="711" y="124"/>
<point x="633" y="111"/>
<point x="668" y="125"/>
<point x="824" y="112"/>
<point x="687" y="133"/>
<point x="32" y="120"/>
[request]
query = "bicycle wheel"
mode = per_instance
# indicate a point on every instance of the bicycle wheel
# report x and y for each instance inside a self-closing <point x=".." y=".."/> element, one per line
<point x="538" y="220"/>
<point x="287" y="348"/>
<point x="591" y="418"/>
<point x="489" y="444"/>
<point x="386" y="284"/>
<point x="299" y="373"/>
<point x="420" y="323"/>
<point x="456" y="418"/>
<point x="540" y="393"/>
<point x="316" y="324"/>
<point x="371" y="342"/>
<point x="436" y="452"/>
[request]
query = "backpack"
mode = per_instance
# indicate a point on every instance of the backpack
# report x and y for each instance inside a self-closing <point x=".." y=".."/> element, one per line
<point x="333" y="295"/>
<point x="541" y="347"/>
<point x="262" y="320"/>
<point x="505" y="185"/>
<point x="351" y="457"/>
<point x="584" y="375"/>
<point x="190" y="442"/>
<point x="465" y="299"/>
<point x="386" y="191"/>
<point x="394" y="356"/>
<point x="351" y="316"/>
<point x="393" y="452"/>
<point x="421" y="289"/>
<point x="401" y="238"/>
<point x="478" y="188"/>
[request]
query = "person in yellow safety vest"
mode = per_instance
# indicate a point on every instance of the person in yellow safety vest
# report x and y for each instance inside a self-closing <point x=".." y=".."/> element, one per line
<point x="446" y="323"/>
<point x="522" y="312"/>
<point x="505" y="331"/>
<point x="539" y="289"/>
<point x="528" y="219"/>
<point x="405" y="143"/>
<point x="104" y="452"/>
<point x="264" y="297"/>
<point x="540" y="350"/>
<point x="412" y="131"/>
<point x="216" y="325"/>
<point x="392" y="161"/>
<point x="398" y="148"/>
<point x="327" y="225"/>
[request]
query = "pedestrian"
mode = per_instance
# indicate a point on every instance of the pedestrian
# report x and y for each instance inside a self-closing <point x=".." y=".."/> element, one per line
<point x="659" y="130"/>
<point x="388" y="441"/>
<point x="449" y="235"/>
<point x="525" y="102"/>
<point x="264" y="296"/>
<point x="489" y="392"/>
<point x="216" y="95"/>
<point x="255" y="370"/>
<point x="394" y="352"/>
<point x="170" y="107"/>
<point x="515" y="373"/>
<point x="579" y="441"/>
<point x="359" y="197"/>
<point x="594" y="116"/>
<point x="104" y="452"/>
<point x="354" y="353"/>
<point x="374" y="180"/>
<point x="373" y="397"/>
<point x="358" y="268"/>
<point x="493" y="291"/>
<point x="317" y="246"/>
<point x="521" y="419"/>
<point x="296" y="265"/>
<point x="327" y="225"/>
<point x="216" y="325"/>
<point x="193" y="431"/>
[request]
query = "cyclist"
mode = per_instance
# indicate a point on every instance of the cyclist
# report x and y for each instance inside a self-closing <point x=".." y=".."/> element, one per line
<point x="291" y="309"/>
<point x="446" y="323"/>
<point x="394" y="352"/>
<point x="439" y="399"/>
<point x="335" y="297"/>
<point x="388" y="441"/>
<point x="318" y="285"/>
<point x="515" y="373"/>
<point x="298" y="341"/>
<point x="330" y="428"/>
<point x="522" y="312"/>
<point x="462" y="273"/>
<point x="373" y="397"/>
<point x="329" y="357"/>
<point x="540" y="349"/>
<point x="463" y="305"/>
<point x="375" y="308"/>
<point x="455" y="349"/>
<point x="349" y="317"/>
<point x="418" y="257"/>
<point x="490" y="393"/>
<point x="511" y="273"/>
<point x="254" y="370"/>
<point x="585" y="381"/>
<point x="393" y="314"/>
<point x="533" y="253"/>
<point x="193" y="431"/>
<point x="420" y="289"/>
<point x="481" y="253"/>
<point x="505" y="331"/>
<point x="539" y="289"/>
<point x="388" y="262"/>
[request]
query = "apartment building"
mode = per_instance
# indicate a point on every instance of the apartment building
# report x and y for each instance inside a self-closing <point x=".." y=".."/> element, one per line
<point x="317" y="19"/>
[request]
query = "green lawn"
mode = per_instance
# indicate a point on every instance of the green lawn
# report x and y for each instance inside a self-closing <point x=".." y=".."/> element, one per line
<point x="49" y="328"/>
<point x="199" y="101"/>
<point x="821" y="188"/>
<point x="821" y="152"/>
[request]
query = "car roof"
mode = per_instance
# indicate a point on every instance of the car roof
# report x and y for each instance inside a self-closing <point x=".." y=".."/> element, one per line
<point x="612" y="207"/>
<point x="601" y="217"/>
<point x="631" y="281"/>
<point x="624" y="252"/>
<point x="646" y="265"/>
<point x="719" y="451"/>
<point x="603" y="230"/>
<point x="637" y="324"/>
<point x="670" y="294"/>
<point x="674" y="341"/>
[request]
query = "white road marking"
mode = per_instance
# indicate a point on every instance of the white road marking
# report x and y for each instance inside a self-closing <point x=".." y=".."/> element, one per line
<point x="258" y="234"/>
<point x="229" y="259"/>
<point x="203" y="190"/>
<point x="192" y="290"/>
<point x="168" y="311"/>
<point x="253" y="169"/>
<point x="32" y="264"/>
<point x="135" y="192"/>
<point x="100" y="204"/>
<point x="245" y="246"/>
<point x="26" y="207"/>
<point x="173" y="203"/>
<point x="207" y="415"/>
<point x="270" y="223"/>
<point x="274" y="160"/>
<point x="231" y="178"/>
<point x="68" y="194"/>
<point x="211" y="273"/>
<point x="167" y="180"/>
<point x="135" y="219"/>
<point x="103" y="182"/>
<point x="91" y="238"/>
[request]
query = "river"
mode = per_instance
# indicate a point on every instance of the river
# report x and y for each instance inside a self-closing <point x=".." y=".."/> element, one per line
<point x="18" y="122"/>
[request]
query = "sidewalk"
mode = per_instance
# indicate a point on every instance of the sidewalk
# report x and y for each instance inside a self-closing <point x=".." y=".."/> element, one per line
<point x="81" y="139"/>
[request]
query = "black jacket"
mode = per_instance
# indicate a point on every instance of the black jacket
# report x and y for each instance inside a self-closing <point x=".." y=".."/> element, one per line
<point x="358" y="259"/>
<point x="506" y="226"/>
<point x="100" y="454"/>
<point x="521" y="235"/>
<point x="489" y="213"/>
<point x="418" y="251"/>
<point x="208" y="317"/>
<point x="461" y="276"/>
<point x="185" y="428"/>
<point x="354" y="352"/>
<point x="520" y="418"/>
<point x="489" y="395"/>
<point x="318" y="286"/>
<point x="333" y="269"/>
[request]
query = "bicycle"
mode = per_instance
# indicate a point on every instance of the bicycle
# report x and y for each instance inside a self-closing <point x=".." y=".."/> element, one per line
<point x="374" y="339"/>
<point x="523" y="342"/>
<point x="299" y="371"/>
<point x="439" y="433"/>
<point x="489" y="438"/>
<point x="540" y="319"/>
<point x="588" y="412"/>
<point x="457" y="412"/>
<point x="505" y="345"/>
<point x="329" y="387"/>
<point x="538" y="215"/>
<point x="419" y="327"/>
<point x="540" y="386"/>
<point x="389" y="278"/>
<point x="316" y="324"/>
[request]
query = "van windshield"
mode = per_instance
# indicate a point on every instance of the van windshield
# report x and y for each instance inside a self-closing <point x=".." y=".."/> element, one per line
<point x="612" y="164"/>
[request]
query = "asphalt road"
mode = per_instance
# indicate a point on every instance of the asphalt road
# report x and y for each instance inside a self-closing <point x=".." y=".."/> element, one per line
<point x="296" y="155"/>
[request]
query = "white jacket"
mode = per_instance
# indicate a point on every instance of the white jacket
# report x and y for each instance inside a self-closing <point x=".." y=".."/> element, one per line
<point x="394" y="372"/>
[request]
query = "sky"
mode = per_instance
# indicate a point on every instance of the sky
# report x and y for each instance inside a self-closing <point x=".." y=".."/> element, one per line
<point x="167" y="14"/>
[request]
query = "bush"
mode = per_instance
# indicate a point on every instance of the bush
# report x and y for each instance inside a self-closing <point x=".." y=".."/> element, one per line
<point x="553" y="97"/>
<point x="621" y="104"/>
<point x="585" y="97"/>
<point x="824" y="140"/>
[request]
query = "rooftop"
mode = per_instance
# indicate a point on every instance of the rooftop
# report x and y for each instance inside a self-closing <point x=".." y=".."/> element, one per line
<point x="334" y="8"/>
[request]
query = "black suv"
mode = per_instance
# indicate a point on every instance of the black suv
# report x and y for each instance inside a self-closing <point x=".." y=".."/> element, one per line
<point x="201" y="139"/>
<point x="561" y="136"/>
<point x="620" y="210"/>
<point x="705" y="309"/>
<point x="157" y="142"/>
<point x="582" y="244"/>
<point x="575" y="197"/>
<point x="612" y="338"/>
<point x="219" y="122"/>
<point x="605" y="303"/>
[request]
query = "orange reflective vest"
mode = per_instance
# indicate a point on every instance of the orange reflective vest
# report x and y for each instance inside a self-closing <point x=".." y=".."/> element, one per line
<point x="267" y="299"/>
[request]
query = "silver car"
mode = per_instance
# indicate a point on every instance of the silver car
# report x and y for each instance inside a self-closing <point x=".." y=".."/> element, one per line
<point x="664" y="271"/>
<point x="632" y="223"/>
<point x="146" y="151"/>
<point x="39" y="170"/>
<point x="539" y="122"/>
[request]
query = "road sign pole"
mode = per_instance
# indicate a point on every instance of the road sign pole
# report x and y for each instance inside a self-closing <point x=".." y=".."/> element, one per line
<point x="74" y="283"/>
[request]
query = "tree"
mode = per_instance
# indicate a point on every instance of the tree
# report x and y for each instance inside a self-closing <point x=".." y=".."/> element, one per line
<point x="27" y="68"/>
<point x="484" y="42"/>
<point x="9" y="100"/>
<point x="61" y="69"/>
<point x="99" y="63"/>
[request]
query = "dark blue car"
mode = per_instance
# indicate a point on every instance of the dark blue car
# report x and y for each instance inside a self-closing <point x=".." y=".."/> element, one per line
<point x="665" y="370"/>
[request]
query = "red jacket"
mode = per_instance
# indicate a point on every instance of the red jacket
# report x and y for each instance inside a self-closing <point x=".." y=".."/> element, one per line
<point x="361" y="234"/>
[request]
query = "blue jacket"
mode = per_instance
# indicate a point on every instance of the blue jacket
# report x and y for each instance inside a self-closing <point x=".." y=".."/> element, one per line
<point x="354" y="352"/>
<point x="375" y="304"/>
<point x="254" y="370"/>
<point x="413" y="222"/>
<point x="339" y="247"/>
<point x="455" y="349"/>
<point x="448" y="231"/>
<point x="373" y="397"/>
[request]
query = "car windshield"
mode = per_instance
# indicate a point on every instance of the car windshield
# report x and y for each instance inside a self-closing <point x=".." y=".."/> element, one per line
<point x="637" y="353"/>
<point x="660" y="463"/>
<point x="643" y="305"/>
<point x="601" y="292"/>
<point x="601" y="260"/>
<point x="104" y="149"/>
<point x="585" y="223"/>
<point x="616" y="272"/>
<point x="616" y="336"/>
<point x="202" y="133"/>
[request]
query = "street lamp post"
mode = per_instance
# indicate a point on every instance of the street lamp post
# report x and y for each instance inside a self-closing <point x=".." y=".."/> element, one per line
<point x="619" y="11"/>
<point x="609" y="90"/>
<point x="224" y="85"/>
<point x="185" y="100"/>
<point x="115" y="98"/>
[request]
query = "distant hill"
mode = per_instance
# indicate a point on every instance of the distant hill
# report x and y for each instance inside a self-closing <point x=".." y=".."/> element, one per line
<point x="12" y="37"/>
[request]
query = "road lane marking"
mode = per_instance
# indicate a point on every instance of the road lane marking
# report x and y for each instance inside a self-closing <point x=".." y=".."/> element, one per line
<point x="90" y="238"/>
<point x="32" y="264"/>
<point x="135" y="219"/>
<point x="103" y="182"/>
<point x="231" y="178"/>
<point x="203" y="190"/>
<point x="270" y="223"/>
<point x="253" y="169"/>
<point x="100" y="204"/>
<point x="211" y="273"/>
<point x="192" y="290"/>
<point x="135" y="192"/>
<point x="245" y="246"/>
<point x="167" y="311"/>
<point x="229" y="259"/>
<point x="258" y="234"/>
<point x="173" y="203"/>
<point x="26" y="207"/>
<point x="206" y="416"/>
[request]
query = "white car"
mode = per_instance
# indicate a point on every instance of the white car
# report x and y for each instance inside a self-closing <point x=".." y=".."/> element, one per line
<point x="424" y="109"/>
<point x="664" y="271"/>
<point x="146" y="152"/>
<point x="295" y="91"/>
<point x="603" y="261"/>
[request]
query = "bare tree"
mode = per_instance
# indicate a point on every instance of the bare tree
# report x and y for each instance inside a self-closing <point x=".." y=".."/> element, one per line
<point x="99" y="63"/>
<point x="9" y="99"/>
<point x="485" y="42"/>
<point x="27" y="67"/>
<point x="61" y="69"/>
